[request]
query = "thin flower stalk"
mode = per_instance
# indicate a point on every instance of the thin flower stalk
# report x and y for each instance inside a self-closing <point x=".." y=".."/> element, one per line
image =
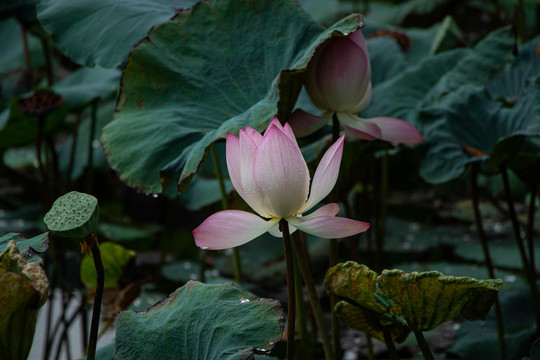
<point x="333" y="260"/>
<point x="426" y="351"/>
<point x="530" y="227"/>
<point x="291" y="294"/>
<point x="301" y="314"/>
<point x="314" y="301"/>
<point x="96" y="310"/>
<point x="528" y="270"/>
<point x="487" y="256"/>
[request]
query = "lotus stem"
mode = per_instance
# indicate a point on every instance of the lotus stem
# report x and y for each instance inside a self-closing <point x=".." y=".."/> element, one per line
<point x="366" y="7"/>
<point x="54" y="186"/>
<point x="314" y="300"/>
<point x="84" y="322"/>
<point x="375" y="213"/>
<point x="41" y="167"/>
<point x="353" y="240"/>
<point x="284" y="227"/>
<point x="369" y="345"/>
<point x="90" y="171"/>
<point x="72" y="150"/>
<point x="219" y="175"/>
<point x="48" y="64"/>
<point x="225" y="205"/>
<point x="96" y="310"/>
<point x="380" y="215"/>
<point x="202" y="266"/>
<point x="49" y="322"/>
<point x="530" y="227"/>
<point x="333" y="259"/>
<point x="335" y="128"/>
<point x="426" y="351"/>
<point x="390" y="346"/>
<point x="487" y="256"/>
<point x="520" y="22"/>
<point x="27" y="57"/>
<point x="529" y="271"/>
<point x="301" y="314"/>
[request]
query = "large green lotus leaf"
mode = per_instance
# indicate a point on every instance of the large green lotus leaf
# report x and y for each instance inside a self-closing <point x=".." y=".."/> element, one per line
<point x="367" y="321"/>
<point x="355" y="282"/>
<point x="426" y="300"/>
<point x="470" y="126"/>
<point x="31" y="249"/>
<point x="200" y="321"/>
<point x="526" y="65"/>
<point x="88" y="84"/>
<point x="384" y="67"/>
<point x="23" y="290"/>
<point x="406" y="11"/>
<point x="389" y="60"/>
<point x="448" y="36"/>
<point x="94" y="32"/>
<point x="478" y="339"/>
<point x="217" y="67"/>
<point x="417" y="43"/>
<point x="114" y="258"/>
<point x="327" y="11"/>
<point x="420" y="87"/>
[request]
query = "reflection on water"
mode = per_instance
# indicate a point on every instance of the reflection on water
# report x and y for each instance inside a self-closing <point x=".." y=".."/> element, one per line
<point x="74" y="332"/>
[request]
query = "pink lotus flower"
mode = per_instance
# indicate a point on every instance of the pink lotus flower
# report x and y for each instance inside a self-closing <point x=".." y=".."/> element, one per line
<point x="269" y="172"/>
<point x="338" y="81"/>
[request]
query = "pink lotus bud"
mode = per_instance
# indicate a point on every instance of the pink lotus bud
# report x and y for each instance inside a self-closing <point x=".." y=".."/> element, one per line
<point x="338" y="75"/>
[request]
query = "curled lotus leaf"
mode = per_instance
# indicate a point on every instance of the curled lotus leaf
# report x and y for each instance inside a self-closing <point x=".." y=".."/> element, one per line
<point x="470" y="125"/>
<point x="356" y="283"/>
<point x="213" y="68"/>
<point x="419" y="301"/>
<point x="23" y="290"/>
<point x="427" y="299"/>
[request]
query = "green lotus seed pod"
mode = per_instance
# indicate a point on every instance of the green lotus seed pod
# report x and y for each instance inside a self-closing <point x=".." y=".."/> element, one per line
<point x="73" y="215"/>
